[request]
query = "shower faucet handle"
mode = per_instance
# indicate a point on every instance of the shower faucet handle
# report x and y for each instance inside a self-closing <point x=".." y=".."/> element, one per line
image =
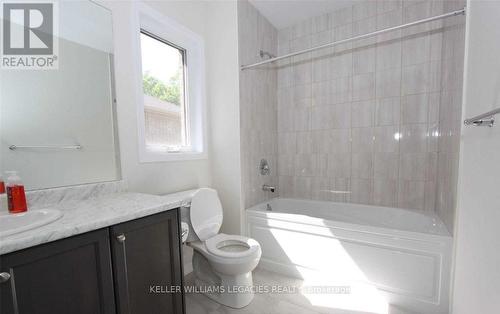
<point x="264" y="168"/>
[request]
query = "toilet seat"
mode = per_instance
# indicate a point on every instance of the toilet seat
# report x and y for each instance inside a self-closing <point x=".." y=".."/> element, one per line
<point x="216" y="244"/>
<point x="206" y="220"/>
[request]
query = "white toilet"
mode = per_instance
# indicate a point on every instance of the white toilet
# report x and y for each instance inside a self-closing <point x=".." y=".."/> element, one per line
<point x="222" y="263"/>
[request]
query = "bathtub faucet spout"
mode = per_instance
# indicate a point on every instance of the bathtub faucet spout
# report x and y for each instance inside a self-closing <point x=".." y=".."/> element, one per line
<point x="268" y="188"/>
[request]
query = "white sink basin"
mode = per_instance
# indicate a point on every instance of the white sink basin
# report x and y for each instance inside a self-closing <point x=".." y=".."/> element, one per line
<point x="15" y="223"/>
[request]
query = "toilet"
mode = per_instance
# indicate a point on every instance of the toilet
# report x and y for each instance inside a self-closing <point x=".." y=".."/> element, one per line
<point x="222" y="263"/>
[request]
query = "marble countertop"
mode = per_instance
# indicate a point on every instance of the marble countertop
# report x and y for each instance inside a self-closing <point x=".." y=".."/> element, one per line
<point x="81" y="216"/>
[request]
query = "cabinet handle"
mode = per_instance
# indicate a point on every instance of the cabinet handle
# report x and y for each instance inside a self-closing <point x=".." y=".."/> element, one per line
<point x="121" y="238"/>
<point x="4" y="277"/>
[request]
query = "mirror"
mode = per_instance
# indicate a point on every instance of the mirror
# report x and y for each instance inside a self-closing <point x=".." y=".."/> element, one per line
<point x="58" y="126"/>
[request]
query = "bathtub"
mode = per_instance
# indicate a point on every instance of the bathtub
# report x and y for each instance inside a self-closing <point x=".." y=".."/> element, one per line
<point x="403" y="256"/>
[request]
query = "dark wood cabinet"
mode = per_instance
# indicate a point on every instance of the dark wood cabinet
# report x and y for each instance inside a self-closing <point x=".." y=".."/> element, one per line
<point x="147" y="255"/>
<point x="72" y="275"/>
<point x="106" y="271"/>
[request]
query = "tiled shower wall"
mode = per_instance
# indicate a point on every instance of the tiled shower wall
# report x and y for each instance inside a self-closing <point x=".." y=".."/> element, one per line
<point x="258" y="115"/>
<point x="361" y="122"/>
<point x="450" y="114"/>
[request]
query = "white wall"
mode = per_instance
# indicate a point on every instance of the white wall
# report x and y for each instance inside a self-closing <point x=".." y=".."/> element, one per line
<point x="224" y="115"/>
<point x="477" y="260"/>
<point x="159" y="177"/>
<point x="216" y="23"/>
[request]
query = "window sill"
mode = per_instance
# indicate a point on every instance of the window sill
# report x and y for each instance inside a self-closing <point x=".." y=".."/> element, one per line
<point x="148" y="156"/>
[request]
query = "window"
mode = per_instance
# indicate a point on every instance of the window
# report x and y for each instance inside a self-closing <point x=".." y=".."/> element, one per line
<point x="163" y="85"/>
<point x="171" y="113"/>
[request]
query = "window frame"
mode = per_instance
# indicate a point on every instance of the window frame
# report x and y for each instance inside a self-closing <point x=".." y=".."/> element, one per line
<point x="185" y="103"/>
<point x="152" y="23"/>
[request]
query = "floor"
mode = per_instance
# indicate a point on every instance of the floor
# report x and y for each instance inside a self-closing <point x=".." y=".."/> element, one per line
<point x="288" y="301"/>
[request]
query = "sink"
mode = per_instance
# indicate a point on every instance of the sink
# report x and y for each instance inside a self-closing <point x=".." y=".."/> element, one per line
<point x="15" y="223"/>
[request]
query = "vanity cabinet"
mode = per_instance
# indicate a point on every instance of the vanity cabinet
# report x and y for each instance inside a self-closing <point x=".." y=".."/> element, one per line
<point x="147" y="265"/>
<point x="72" y="275"/>
<point x="107" y="271"/>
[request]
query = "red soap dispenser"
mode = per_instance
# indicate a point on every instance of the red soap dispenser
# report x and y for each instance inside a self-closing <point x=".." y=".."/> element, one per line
<point x="2" y="185"/>
<point x="3" y="197"/>
<point x="15" y="193"/>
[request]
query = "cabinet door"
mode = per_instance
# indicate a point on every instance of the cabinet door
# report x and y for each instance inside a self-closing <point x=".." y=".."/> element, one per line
<point x="67" y="276"/>
<point x="146" y="254"/>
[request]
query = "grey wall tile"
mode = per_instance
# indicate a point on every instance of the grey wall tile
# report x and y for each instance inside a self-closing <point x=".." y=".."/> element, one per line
<point x="286" y="184"/>
<point x="341" y="90"/>
<point x="411" y="194"/>
<point x="362" y="166"/>
<point x="364" y="60"/>
<point x="416" y="49"/>
<point x="385" y="6"/>
<point x="302" y="73"/>
<point x="385" y="192"/>
<point x="363" y="86"/>
<point x="321" y="70"/>
<point x="302" y="29"/>
<point x="415" y="108"/>
<point x="305" y="165"/>
<point x="415" y="79"/>
<point x="364" y="9"/>
<point x="341" y="190"/>
<point x="319" y="24"/>
<point x="363" y="113"/>
<point x="389" y="83"/>
<point x="340" y="17"/>
<point x="364" y="26"/>
<point x="302" y="187"/>
<point x="413" y="138"/>
<point x="339" y="141"/>
<point x="376" y="121"/>
<point x="388" y="111"/>
<point x="259" y="97"/>
<point x="386" y="139"/>
<point x="389" y="55"/>
<point x="339" y="165"/>
<point x="341" y="65"/>
<point x="321" y="189"/>
<point x="342" y="32"/>
<point x="362" y="140"/>
<point x="413" y="166"/>
<point x="386" y="166"/>
<point x="286" y="165"/>
<point x="362" y="191"/>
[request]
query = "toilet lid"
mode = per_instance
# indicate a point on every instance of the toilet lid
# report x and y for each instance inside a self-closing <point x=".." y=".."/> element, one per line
<point x="206" y="213"/>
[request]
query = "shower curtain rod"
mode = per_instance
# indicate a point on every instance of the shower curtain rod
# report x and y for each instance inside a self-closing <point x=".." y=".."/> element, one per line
<point x="338" y="42"/>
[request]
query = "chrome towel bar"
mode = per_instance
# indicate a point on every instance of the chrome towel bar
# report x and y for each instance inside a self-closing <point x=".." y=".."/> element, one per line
<point x="14" y="147"/>
<point x="485" y="119"/>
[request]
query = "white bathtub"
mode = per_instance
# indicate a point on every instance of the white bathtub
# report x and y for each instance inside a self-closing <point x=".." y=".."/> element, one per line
<point x="404" y="256"/>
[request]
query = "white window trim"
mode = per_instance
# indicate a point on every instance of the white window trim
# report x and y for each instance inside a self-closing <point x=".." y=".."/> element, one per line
<point x="166" y="28"/>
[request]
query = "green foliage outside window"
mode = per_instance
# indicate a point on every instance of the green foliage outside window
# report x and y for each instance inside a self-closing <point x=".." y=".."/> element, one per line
<point x="170" y="92"/>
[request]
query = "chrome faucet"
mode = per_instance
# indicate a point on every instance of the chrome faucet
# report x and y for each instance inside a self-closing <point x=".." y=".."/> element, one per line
<point x="268" y="188"/>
